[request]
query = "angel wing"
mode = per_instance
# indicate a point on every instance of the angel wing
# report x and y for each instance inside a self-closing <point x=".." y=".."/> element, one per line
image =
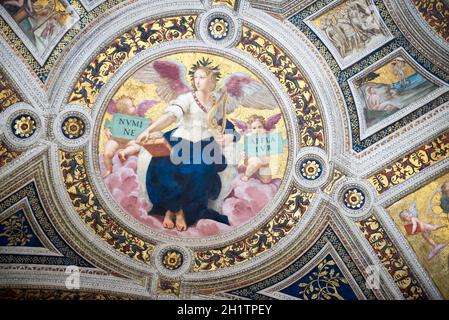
<point x="168" y="76"/>
<point x="144" y="106"/>
<point x="414" y="210"/>
<point x="246" y="92"/>
<point x="112" y="107"/>
<point x="242" y="125"/>
<point x="271" y="122"/>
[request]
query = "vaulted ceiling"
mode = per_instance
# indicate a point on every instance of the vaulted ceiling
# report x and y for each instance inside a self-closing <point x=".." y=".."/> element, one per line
<point x="363" y="195"/>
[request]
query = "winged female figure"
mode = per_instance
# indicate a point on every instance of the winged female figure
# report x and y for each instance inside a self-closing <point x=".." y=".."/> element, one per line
<point x="191" y="183"/>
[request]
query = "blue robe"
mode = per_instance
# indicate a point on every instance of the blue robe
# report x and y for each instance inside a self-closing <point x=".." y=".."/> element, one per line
<point x="190" y="184"/>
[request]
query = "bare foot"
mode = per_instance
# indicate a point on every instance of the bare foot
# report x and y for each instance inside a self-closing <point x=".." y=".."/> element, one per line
<point x="168" y="220"/>
<point x="181" y="224"/>
<point x="108" y="172"/>
<point x="122" y="155"/>
<point x="244" y="178"/>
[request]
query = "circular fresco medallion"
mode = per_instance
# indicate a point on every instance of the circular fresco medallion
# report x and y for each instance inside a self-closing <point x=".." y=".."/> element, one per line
<point x="193" y="145"/>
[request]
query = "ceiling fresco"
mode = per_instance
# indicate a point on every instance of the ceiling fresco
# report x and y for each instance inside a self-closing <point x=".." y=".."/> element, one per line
<point x="321" y="129"/>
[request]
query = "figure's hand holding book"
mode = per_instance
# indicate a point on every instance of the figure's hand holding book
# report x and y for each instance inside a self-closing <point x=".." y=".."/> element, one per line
<point x="157" y="146"/>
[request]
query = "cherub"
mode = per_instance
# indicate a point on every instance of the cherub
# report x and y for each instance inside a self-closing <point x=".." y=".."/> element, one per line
<point x="124" y="105"/>
<point x="414" y="226"/>
<point x="257" y="124"/>
<point x="443" y="202"/>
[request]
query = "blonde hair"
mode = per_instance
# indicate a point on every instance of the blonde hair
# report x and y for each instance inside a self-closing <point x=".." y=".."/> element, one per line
<point x="255" y="117"/>
<point x="402" y="215"/>
<point x="120" y="105"/>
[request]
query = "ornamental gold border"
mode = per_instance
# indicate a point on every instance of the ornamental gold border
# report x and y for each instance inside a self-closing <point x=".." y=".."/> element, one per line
<point x="412" y="163"/>
<point x="102" y="68"/>
<point x="291" y="78"/>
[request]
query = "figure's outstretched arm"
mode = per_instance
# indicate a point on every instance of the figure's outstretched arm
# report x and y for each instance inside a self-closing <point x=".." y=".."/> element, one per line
<point x="414" y="225"/>
<point x="160" y="124"/>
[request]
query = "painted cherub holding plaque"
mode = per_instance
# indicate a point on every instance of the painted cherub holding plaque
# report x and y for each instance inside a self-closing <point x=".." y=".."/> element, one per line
<point x="128" y="121"/>
<point x="259" y="144"/>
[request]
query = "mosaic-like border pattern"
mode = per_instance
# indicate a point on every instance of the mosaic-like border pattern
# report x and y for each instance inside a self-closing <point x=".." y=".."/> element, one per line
<point x="125" y="47"/>
<point x="436" y="14"/>
<point x="407" y="166"/>
<point x="342" y="76"/>
<point x="90" y="210"/>
<point x="391" y="259"/>
<point x="296" y="85"/>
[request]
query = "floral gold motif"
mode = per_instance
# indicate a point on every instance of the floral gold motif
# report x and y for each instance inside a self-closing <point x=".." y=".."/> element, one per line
<point x="73" y="127"/>
<point x="354" y="199"/>
<point x="310" y="169"/>
<point x="16" y="231"/>
<point x="218" y="28"/>
<point x="24" y="126"/>
<point x="172" y="260"/>
<point x="324" y="283"/>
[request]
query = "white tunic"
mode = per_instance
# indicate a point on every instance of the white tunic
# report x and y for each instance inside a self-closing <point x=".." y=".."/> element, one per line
<point x="192" y="126"/>
<point x="192" y="120"/>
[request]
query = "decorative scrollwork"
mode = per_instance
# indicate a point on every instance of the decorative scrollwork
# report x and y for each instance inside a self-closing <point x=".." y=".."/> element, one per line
<point x="8" y="96"/>
<point x="261" y="240"/>
<point x="436" y="14"/>
<point x="412" y="163"/>
<point x="6" y="154"/>
<point x="129" y="44"/>
<point x="391" y="259"/>
<point x="93" y="214"/>
<point x="296" y="85"/>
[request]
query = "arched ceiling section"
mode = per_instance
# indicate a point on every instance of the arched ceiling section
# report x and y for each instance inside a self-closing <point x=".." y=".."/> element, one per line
<point x="361" y="93"/>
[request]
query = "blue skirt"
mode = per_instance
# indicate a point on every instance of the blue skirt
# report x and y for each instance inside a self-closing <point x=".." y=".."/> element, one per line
<point x="188" y="184"/>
